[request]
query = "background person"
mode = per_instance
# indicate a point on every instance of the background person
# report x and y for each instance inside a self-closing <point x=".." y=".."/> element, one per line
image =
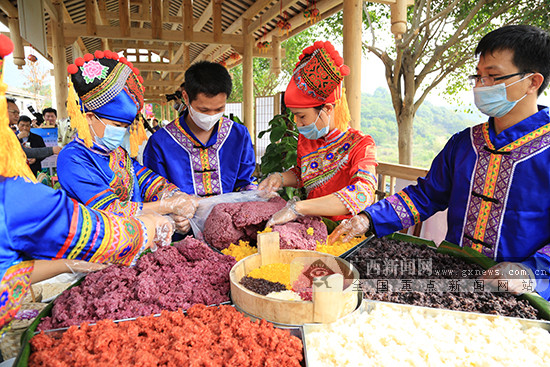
<point x="202" y="152"/>
<point x="30" y="140"/>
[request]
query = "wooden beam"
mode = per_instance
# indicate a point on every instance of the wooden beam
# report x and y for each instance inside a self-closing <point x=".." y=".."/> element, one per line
<point x="79" y="30"/>
<point x="270" y="14"/>
<point x="306" y="25"/>
<point x="90" y="16"/>
<point x="156" y="18"/>
<point x="276" y="60"/>
<point x="157" y="46"/>
<point x="205" y="17"/>
<point x="124" y="10"/>
<point x="217" y="19"/>
<point x="8" y="8"/>
<point x="166" y="11"/>
<point x="48" y="5"/>
<point x="248" y="82"/>
<point x="101" y="9"/>
<point x="66" y="17"/>
<point x="187" y="20"/>
<point x="353" y="22"/>
<point x="60" y="64"/>
<point x="159" y="66"/>
<point x="254" y="9"/>
<point x="161" y="83"/>
<point x="299" y="20"/>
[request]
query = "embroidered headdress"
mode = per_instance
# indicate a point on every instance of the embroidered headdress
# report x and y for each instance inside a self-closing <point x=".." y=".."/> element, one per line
<point x="107" y="85"/>
<point x="317" y="80"/>
<point x="13" y="161"/>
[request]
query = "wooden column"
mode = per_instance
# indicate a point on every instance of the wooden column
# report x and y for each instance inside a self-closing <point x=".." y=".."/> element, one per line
<point x="248" y="82"/>
<point x="352" y="57"/>
<point x="276" y="60"/>
<point x="186" y="57"/>
<point x="217" y="20"/>
<point x="187" y="19"/>
<point x="156" y="19"/>
<point x="18" y="49"/>
<point x="91" y="17"/>
<point x="59" y="64"/>
<point x="162" y="112"/>
<point x="124" y="13"/>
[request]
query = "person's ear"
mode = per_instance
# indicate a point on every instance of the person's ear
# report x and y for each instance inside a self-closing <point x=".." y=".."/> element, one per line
<point x="90" y="117"/>
<point x="185" y="97"/>
<point x="536" y="81"/>
<point x="329" y="107"/>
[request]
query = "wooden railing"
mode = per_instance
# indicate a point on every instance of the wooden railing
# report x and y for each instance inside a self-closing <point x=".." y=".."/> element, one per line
<point x="389" y="172"/>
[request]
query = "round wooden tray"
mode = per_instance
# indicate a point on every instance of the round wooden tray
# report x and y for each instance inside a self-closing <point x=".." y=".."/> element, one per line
<point x="334" y="296"/>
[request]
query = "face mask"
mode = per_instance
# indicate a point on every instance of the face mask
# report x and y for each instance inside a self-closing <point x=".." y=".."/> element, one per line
<point x="204" y="121"/>
<point x="113" y="136"/>
<point x="126" y="141"/>
<point x="493" y="100"/>
<point x="311" y="132"/>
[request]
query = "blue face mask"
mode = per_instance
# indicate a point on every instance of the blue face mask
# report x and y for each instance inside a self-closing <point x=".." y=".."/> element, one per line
<point x="311" y="131"/>
<point x="113" y="136"/>
<point x="493" y="100"/>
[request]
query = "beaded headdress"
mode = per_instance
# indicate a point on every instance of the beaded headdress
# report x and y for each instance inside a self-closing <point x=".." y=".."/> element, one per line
<point x="317" y="80"/>
<point x="107" y="85"/>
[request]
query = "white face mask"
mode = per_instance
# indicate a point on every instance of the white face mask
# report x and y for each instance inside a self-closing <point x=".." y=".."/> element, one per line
<point x="204" y="121"/>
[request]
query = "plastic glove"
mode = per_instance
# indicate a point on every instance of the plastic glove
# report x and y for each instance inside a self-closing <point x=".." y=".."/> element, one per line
<point x="511" y="277"/>
<point x="285" y="215"/>
<point x="350" y="228"/>
<point x="273" y="182"/>
<point x="79" y="266"/>
<point x="182" y="224"/>
<point x="164" y="228"/>
<point x="179" y="203"/>
<point x="164" y="231"/>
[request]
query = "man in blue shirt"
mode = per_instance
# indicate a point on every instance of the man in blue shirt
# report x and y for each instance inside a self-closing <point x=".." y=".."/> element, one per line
<point x="202" y="152"/>
<point x="493" y="178"/>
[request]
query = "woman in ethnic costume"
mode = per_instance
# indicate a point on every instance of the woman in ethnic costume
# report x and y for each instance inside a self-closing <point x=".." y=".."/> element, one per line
<point x="41" y="223"/>
<point x="95" y="168"/>
<point x="336" y="164"/>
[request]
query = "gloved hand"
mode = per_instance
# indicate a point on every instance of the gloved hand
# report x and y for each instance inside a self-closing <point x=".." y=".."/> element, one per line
<point x="515" y="278"/>
<point x="79" y="266"/>
<point x="179" y="203"/>
<point x="273" y="182"/>
<point x="285" y="215"/>
<point x="164" y="231"/>
<point x="164" y="228"/>
<point x="349" y="228"/>
<point x="182" y="224"/>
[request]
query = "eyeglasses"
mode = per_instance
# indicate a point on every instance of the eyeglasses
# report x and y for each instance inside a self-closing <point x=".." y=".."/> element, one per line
<point x="487" y="81"/>
<point x="15" y="112"/>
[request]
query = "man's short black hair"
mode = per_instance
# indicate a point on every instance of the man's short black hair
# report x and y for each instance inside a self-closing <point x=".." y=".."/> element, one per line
<point x="10" y="100"/>
<point x="24" y="118"/>
<point x="49" y="109"/>
<point x="530" y="45"/>
<point x="209" y="78"/>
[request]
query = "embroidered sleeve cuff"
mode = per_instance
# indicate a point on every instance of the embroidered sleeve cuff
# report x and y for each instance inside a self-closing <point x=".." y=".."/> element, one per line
<point x="356" y="197"/>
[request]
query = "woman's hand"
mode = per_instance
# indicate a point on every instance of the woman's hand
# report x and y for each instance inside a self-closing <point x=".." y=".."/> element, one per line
<point x="350" y="228"/>
<point x="273" y="182"/>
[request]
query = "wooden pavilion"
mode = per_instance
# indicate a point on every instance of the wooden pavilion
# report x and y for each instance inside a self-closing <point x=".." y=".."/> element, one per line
<point x="165" y="36"/>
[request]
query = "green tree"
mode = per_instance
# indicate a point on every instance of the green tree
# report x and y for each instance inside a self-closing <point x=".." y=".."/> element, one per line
<point x="437" y="46"/>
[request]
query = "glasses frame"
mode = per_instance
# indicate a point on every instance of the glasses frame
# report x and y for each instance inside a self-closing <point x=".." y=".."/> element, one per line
<point x="474" y="79"/>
